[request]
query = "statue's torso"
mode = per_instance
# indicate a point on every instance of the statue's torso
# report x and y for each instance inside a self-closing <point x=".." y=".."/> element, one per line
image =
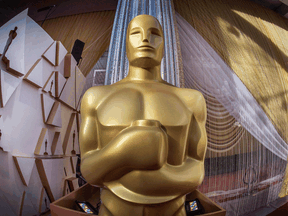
<point x="121" y="104"/>
<point x="124" y="103"/>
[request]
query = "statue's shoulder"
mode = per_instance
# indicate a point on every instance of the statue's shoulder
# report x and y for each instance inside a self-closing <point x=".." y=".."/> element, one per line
<point x="191" y="97"/>
<point x="95" y="94"/>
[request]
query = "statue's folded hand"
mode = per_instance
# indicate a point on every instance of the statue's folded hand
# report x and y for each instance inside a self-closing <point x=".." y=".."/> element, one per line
<point x="143" y="145"/>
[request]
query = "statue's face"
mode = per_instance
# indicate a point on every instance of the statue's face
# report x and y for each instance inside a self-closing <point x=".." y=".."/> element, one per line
<point x="144" y="42"/>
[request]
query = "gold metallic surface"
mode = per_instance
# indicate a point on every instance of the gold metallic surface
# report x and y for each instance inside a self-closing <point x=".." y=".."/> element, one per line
<point x="141" y="138"/>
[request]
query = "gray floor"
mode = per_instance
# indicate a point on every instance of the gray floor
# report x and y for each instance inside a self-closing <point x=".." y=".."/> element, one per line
<point x="268" y="209"/>
<point x="264" y="210"/>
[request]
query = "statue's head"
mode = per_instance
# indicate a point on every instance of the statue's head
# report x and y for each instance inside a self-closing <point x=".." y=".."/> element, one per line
<point x="144" y="42"/>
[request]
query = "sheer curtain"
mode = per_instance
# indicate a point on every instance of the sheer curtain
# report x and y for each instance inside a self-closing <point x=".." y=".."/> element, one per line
<point x="207" y="69"/>
<point x="246" y="157"/>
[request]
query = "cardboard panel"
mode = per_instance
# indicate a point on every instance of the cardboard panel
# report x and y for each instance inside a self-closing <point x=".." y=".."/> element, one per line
<point x="66" y="205"/>
<point x="42" y="148"/>
<point x="73" y="160"/>
<point x="68" y="135"/>
<point x="47" y="104"/>
<point x="52" y="176"/>
<point x="48" y="69"/>
<point x="67" y="95"/>
<point x="66" y="189"/>
<point x="15" y="52"/>
<point x="68" y="168"/>
<point x="35" y="74"/>
<point x="80" y="83"/>
<point x="50" y="54"/>
<point x="8" y="84"/>
<point x="1" y="128"/>
<point x="36" y="42"/>
<point x="56" y="148"/>
<point x="33" y="193"/>
<point x="73" y="144"/>
<point x="50" y="84"/>
<point x="54" y="118"/>
<point x="22" y="203"/>
<point x="60" y="82"/>
<point x="44" y="203"/>
<point x="60" y="52"/>
<point x="24" y="167"/>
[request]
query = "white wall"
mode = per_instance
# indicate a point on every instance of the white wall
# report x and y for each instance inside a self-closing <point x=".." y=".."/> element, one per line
<point x="21" y="121"/>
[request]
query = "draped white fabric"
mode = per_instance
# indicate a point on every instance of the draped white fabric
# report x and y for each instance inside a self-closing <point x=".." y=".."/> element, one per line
<point x="244" y="172"/>
<point x="209" y="71"/>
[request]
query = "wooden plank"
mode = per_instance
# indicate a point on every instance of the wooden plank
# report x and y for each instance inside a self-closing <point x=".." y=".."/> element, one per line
<point x="41" y="198"/>
<point x="54" y="118"/>
<point x="40" y="141"/>
<point x="54" y="142"/>
<point x="22" y="203"/>
<point x="44" y="180"/>
<point x="67" y="65"/>
<point x="24" y="167"/>
<point x="34" y="75"/>
<point x="50" y="54"/>
<point x="68" y="131"/>
<point x="47" y="105"/>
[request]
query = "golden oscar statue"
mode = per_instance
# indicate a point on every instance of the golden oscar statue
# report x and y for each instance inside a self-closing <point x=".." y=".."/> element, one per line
<point x="143" y="140"/>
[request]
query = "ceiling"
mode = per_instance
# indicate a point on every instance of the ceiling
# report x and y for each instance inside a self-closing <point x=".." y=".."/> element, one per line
<point x="9" y="9"/>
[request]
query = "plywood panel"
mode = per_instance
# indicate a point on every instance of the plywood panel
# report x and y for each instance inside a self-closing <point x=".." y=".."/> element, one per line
<point x="34" y="75"/>
<point x="24" y="167"/>
<point x="8" y="83"/>
<point x="50" y="54"/>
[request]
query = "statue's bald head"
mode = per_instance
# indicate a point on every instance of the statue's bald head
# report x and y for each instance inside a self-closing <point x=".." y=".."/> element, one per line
<point x="144" y="41"/>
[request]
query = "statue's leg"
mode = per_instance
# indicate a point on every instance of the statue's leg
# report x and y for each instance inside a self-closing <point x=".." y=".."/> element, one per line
<point x="113" y="205"/>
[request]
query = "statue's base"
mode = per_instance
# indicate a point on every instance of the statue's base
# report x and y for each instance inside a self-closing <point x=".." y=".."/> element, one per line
<point x="66" y="205"/>
<point x="210" y="207"/>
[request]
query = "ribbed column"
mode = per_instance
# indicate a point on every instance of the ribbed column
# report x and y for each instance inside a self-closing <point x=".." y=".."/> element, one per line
<point x="163" y="10"/>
